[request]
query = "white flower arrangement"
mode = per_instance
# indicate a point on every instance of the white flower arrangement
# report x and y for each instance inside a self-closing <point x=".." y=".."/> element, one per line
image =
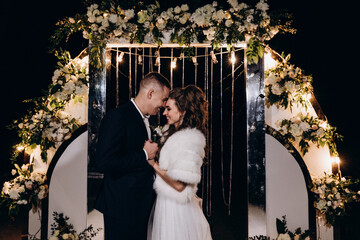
<point x="62" y="230"/>
<point x="303" y="129"/>
<point x="27" y="189"/>
<point x="141" y="23"/>
<point x="48" y="125"/>
<point x="332" y="195"/>
<point x="286" y="85"/>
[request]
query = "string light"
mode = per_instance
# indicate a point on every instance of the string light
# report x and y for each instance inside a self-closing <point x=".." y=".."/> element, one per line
<point x="194" y="60"/>
<point x="233" y="58"/>
<point x="20" y="148"/>
<point x="121" y="56"/>
<point x="173" y="63"/>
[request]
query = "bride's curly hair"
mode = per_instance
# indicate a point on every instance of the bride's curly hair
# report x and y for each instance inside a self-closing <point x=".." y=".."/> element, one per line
<point x="190" y="100"/>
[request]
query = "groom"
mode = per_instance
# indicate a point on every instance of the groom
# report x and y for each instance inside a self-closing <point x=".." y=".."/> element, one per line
<point x="123" y="149"/>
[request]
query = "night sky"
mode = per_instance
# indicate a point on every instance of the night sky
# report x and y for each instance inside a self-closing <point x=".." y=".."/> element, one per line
<point x="325" y="47"/>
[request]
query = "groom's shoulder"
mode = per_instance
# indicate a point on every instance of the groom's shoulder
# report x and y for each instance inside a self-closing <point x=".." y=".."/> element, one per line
<point x="121" y="111"/>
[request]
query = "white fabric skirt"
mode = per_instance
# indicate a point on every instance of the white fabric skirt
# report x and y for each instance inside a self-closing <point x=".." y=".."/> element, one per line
<point x="171" y="220"/>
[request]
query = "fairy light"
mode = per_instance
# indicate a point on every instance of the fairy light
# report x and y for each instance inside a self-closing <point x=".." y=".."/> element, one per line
<point x="194" y="60"/>
<point x="20" y="148"/>
<point x="173" y="63"/>
<point x="233" y="58"/>
<point x="121" y="56"/>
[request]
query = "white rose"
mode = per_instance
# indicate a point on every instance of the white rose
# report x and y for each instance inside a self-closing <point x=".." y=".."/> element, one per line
<point x="271" y="79"/>
<point x="113" y="18"/>
<point x="277" y="89"/>
<point x="184" y="7"/>
<point x="296" y="130"/>
<point x="6" y="188"/>
<point x="130" y="13"/>
<point x="24" y="167"/>
<point x="21" y="125"/>
<point x="65" y="236"/>
<point x="290" y="86"/>
<point x="14" y="194"/>
<point x="228" y="23"/>
<point x="177" y="9"/>
<point x="304" y="126"/>
<point x="71" y="20"/>
<point x="321" y="204"/>
<point x="28" y="184"/>
<point x="13" y="172"/>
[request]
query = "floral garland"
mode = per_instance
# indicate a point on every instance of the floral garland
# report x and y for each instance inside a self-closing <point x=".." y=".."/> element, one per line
<point x="47" y="124"/>
<point x="333" y="194"/>
<point x="26" y="189"/>
<point x="304" y="129"/>
<point x="210" y="23"/>
<point x="286" y="85"/>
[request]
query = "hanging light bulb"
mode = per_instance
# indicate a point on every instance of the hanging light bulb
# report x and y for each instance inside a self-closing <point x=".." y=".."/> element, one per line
<point x="213" y="57"/>
<point x="194" y="60"/>
<point x="121" y="56"/>
<point x="139" y="59"/>
<point x="173" y="63"/>
<point x="233" y="58"/>
<point x="157" y="61"/>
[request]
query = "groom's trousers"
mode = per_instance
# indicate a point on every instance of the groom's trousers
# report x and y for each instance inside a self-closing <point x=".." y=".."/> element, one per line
<point x="117" y="230"/>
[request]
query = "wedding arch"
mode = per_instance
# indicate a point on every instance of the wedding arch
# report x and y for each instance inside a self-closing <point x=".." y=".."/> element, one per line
<point x="263" y="115"/>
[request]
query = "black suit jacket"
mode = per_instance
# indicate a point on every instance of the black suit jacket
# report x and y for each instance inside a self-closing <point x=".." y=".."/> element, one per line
<point x="127" y="193"/>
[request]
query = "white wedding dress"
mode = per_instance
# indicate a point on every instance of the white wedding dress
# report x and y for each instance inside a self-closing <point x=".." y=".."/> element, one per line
<point x="178" y="215"/>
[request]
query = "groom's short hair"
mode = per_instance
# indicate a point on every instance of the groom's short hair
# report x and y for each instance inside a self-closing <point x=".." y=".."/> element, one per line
<point x="154" y="78"/>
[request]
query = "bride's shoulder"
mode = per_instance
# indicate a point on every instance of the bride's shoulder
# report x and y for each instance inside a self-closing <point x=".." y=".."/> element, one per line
<point x="188" y="135"/>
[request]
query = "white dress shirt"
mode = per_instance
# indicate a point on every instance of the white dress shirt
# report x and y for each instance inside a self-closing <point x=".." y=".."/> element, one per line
<point x="146" y="122"/>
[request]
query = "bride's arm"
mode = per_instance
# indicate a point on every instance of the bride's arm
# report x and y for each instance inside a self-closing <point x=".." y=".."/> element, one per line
<point x="177" y="185"/>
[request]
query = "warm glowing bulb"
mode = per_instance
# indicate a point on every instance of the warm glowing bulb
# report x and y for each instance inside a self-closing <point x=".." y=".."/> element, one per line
<point x="173" y="63"/>
<point x="121" y="56"/>
<point x="233" y="58"/>
<point x="20" y="148"/>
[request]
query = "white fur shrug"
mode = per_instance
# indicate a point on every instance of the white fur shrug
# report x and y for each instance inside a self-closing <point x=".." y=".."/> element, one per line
<point x="181" y="156"/>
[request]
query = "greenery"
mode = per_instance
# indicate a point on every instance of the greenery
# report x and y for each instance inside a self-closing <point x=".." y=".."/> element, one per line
<point x="47" y="124"/>
<point x="286" y="85"/>
<point x="304" y="129"/>
<point x="62" y="230"/>
<point x="25" y="191"/>
<point x="147" y="24"/>
<point x="333" y="195"/>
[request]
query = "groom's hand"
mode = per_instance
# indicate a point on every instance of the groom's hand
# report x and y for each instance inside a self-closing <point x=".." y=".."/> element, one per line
<point x="151" y="148"/>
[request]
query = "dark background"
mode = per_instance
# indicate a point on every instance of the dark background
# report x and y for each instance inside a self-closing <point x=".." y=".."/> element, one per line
<point x="325" y="46"/>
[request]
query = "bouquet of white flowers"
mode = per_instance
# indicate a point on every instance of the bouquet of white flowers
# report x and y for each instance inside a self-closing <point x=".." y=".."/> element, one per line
<point x="25" y="190"/>
<point x="332" y="194"/>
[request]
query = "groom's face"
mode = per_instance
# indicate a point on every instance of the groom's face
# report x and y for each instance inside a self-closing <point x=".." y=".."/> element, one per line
<point x="158" y="100"/>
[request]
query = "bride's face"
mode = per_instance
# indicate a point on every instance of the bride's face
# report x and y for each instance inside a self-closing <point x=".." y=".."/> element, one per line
<point x="172" y="113"/>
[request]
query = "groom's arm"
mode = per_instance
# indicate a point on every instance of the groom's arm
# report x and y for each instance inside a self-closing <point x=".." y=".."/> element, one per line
<point x="111" y="152"/>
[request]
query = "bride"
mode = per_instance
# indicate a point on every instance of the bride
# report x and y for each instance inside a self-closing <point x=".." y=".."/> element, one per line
<point x="177" y="214"/>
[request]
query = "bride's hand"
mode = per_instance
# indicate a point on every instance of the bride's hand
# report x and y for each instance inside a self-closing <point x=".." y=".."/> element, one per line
<point x="151" y="162"/>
